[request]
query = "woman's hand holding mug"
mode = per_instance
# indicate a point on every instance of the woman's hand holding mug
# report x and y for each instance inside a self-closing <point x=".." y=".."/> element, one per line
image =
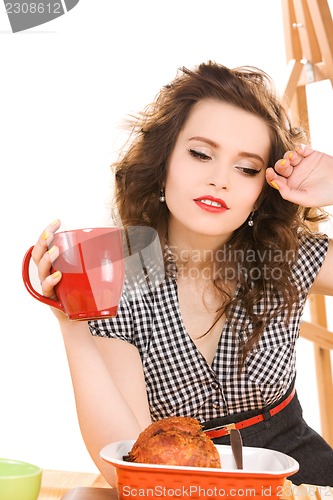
<point x="81" y="271"/>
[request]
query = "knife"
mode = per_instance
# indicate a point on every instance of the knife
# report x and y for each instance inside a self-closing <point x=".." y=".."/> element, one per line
<point x="237" y="447"/>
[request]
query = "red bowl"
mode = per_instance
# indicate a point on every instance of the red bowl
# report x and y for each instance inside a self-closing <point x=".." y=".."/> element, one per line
<point x="262" y="477"/>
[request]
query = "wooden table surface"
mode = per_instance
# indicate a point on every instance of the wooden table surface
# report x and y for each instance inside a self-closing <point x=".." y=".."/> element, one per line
<point x="68" y="485"/>
<point x="56" y="483"/>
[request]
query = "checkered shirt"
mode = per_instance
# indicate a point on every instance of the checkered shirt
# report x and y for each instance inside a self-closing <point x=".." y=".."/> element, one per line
<point x="179" y="380"/>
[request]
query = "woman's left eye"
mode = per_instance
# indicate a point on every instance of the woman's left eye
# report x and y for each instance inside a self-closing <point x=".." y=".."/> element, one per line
<point x="199" y="154"/>
<point x="247" y="170"/>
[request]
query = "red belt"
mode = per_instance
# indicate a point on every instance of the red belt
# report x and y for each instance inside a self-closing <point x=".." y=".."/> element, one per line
<point x="225" y="429"/>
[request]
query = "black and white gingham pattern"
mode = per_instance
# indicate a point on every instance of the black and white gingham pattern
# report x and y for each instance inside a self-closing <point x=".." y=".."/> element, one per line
<point x="179" y="380"/>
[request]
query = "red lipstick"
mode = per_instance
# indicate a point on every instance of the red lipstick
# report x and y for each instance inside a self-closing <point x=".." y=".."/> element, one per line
<point x="211" y="204"/>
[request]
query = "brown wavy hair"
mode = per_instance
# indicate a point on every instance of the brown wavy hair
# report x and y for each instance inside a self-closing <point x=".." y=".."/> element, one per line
<point x="141" y="170"/>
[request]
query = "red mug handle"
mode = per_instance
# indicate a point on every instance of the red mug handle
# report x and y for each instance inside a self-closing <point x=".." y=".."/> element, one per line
<point x="30" y="288"/>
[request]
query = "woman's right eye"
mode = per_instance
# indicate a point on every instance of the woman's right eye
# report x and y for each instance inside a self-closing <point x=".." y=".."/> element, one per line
<point x="199" y="154"/>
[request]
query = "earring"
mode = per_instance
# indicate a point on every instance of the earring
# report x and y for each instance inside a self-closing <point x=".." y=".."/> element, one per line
<point x="250" y="221"/>
<point x="162" y="196"/>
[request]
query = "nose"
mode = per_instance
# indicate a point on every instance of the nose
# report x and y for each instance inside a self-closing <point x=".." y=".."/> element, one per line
<point x="219" y="178"/>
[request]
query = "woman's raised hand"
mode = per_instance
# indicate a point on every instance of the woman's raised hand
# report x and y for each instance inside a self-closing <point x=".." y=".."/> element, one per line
<point x="304" y="177"/>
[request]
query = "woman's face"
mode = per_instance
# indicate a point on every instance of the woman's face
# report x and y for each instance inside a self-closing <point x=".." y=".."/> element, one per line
<point x="216" y="171"/>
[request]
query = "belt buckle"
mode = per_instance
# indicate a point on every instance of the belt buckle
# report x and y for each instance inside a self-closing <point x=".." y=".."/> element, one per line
<point x="229" y="427"/>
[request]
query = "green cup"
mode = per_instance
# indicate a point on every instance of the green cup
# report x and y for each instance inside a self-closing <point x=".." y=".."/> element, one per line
<point x="19" y="480"/>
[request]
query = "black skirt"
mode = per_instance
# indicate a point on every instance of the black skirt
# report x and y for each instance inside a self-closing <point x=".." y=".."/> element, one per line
<point x="287" y="432"/>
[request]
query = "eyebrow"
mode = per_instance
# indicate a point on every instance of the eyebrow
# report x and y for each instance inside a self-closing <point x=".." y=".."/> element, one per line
<point x="244" y="154"/>
<point x="204" y="139"/>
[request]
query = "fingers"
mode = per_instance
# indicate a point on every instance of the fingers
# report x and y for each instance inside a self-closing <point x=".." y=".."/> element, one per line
<point x="273" y="179"/>
<point x="284" y="167"/>
<point x="49" y="283"/>
<point x="44" y="254"/>
<point x="281" y="184"/>
<point x="44" y="241"/>
<point x="304" y="151"/>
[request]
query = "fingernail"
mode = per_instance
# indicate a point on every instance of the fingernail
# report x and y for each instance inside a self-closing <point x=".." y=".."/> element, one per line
<point x="45" y="235"/>
<point x="55" y="275"/>
<point x="274" y="185"/>
<point x="54" y="222"/>
<point x="283" y="162"/>
<point x="291" y="154"/>
<point x="51" y="250"/>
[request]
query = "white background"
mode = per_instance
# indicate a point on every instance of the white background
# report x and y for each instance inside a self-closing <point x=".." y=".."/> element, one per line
<point x="65" y="88"/>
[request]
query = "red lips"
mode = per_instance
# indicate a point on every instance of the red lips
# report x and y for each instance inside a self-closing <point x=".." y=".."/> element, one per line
<point x="211" y="204"/>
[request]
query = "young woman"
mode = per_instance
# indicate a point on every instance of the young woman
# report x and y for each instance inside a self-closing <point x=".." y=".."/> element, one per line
<point x="217" y="169"/>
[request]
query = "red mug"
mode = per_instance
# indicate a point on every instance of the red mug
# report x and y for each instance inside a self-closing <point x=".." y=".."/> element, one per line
<point x="92" y="265"/>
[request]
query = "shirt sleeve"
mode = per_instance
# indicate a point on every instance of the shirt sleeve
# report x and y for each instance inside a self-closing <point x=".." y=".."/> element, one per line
<point x="119" y="327"/>
<point x="311" y="255"/>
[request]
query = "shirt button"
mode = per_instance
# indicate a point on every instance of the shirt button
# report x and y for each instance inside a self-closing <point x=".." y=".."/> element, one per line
<point x="215" y="385"/>
<point x="216" y="404"/>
